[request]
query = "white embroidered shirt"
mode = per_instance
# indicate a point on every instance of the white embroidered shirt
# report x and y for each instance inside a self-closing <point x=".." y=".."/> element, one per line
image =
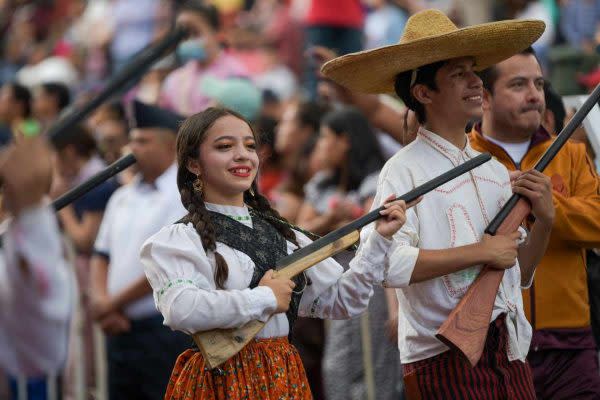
<point x="453" y="215"/>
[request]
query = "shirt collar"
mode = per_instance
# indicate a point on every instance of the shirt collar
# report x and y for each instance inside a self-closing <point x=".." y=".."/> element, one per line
<point x="447" y="149"/>
<point x="163" y="183"/>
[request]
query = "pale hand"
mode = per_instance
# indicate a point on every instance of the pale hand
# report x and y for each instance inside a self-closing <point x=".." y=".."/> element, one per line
<point x="394" y="216"/>
<point x="501" y="251"/>
<point x="282" y="289"/>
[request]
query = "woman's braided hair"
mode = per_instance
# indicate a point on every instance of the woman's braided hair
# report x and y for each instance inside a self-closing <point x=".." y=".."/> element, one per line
<point x="189" y="138"/>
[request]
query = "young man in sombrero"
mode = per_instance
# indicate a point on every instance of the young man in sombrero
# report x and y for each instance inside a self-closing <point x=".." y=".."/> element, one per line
<point x="440" y="249"/>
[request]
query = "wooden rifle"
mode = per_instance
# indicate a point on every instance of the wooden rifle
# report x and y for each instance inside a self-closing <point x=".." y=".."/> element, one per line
<point x="465" y="330"/>
<point x="218" y="345"/>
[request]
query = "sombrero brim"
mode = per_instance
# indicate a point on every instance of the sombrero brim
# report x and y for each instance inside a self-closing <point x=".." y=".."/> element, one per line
<point x="374" y="71"/>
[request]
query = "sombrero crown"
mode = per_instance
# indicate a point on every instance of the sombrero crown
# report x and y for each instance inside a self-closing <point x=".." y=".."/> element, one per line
<point x="430" y="36"/>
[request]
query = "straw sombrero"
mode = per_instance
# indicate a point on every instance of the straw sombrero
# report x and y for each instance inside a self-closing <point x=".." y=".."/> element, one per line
<point x="429" y="36"/>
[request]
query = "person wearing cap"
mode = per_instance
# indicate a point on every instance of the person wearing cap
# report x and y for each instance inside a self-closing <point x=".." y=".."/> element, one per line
<point x="141" y="351"/>
<point x="563" y="353"/>
<point x="201" y="56"/>
<point x="440" y="250"/>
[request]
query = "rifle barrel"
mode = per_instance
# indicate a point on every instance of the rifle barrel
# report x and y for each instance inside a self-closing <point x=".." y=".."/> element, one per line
<point x="373" y="215"/>
<point x="131" y="73"/>
<point x="94" y="181"/>
<point x="548" y="156"/>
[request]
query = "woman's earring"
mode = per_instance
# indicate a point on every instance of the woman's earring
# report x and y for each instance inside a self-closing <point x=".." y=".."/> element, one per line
<point x="251" y="191"/>
<point x="198" y="185"/>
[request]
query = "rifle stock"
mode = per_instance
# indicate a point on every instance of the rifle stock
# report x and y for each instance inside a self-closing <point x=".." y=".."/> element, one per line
<point x="466" y="328"/>
<point x="218" y="345"/>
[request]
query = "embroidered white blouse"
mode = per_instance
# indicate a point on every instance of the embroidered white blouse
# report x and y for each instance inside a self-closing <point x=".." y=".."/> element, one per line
<point x="181" y="274"/>
<point x="453" y="215"/>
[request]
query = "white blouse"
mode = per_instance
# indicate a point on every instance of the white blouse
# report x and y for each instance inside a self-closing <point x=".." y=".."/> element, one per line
<point x="181" y="274"/>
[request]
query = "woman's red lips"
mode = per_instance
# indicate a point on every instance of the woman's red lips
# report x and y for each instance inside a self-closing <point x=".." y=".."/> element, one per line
<point x="242" y="172"/>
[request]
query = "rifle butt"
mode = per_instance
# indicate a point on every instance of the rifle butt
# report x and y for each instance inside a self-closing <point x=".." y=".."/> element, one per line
<point x="219" y="345"/>
<point x="466" y="328"/>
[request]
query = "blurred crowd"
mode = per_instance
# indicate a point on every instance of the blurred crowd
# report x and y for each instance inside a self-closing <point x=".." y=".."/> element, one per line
<point x="322" y="146"/>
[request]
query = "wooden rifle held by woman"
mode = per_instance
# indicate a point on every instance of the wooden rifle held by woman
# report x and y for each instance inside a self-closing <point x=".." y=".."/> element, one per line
<point x="218" y="345"/>
<point x="465" y="329"/>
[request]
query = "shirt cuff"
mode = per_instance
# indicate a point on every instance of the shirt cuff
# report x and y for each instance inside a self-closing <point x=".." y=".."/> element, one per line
<point x="401" y="266"/>
<point x="263" y="303"/>
<point x="371" y="259"/>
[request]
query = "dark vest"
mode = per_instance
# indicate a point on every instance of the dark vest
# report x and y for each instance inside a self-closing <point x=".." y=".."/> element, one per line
<point x="263" y="244"/>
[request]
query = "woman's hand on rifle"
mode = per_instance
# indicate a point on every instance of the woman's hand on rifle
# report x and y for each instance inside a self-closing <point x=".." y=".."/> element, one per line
<point x="282" y="289"/>
<point x="394" y="216"/>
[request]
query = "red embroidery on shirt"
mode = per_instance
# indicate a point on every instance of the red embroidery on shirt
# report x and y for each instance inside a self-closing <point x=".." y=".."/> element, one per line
<point x="461" y="183"/>
<point x="452" y="290"/>
<point x="441" y="148"/>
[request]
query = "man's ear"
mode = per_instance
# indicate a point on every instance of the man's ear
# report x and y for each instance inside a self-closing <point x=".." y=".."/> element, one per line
<point x="194" y="167"/>
<point x="421" y="93"/>
<point x="486" y="98"/>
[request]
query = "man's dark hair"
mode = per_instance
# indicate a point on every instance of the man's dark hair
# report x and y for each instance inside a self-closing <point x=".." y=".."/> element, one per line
<point x="81" y="140"/>
<point x="207" y="11"/>
<point x="22" y="95"/>
<point x="425" y="76"/>
<point x="60" y="92"/>
<point x="555" y="104"/>
<point x="489" y="76"/>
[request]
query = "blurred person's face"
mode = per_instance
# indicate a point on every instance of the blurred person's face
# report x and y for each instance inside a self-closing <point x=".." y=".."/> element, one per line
<point x="331" y="149"/>
<point x="43" y="104"/>
<point x="290" y="137"/>
<point x="517" y="103"/>
<point x="228" y="161"/>
<point x="154" y="150"/>
<point x="200" y="31"/>
<point x="6" y="103"/>
<point x="67" y="163"/>
<point x="111" y="137"/>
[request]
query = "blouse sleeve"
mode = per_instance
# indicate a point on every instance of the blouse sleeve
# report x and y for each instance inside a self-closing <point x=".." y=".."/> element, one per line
<point x="182" y="278"/>
<point x="335" y="294"/>
<point x="404" y="251"/>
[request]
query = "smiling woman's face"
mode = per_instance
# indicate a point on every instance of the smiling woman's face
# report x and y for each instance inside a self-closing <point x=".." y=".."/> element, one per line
<point x="228" y="161"/>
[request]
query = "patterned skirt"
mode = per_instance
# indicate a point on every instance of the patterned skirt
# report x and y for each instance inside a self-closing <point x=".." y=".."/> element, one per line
<point x="265" y="369"/>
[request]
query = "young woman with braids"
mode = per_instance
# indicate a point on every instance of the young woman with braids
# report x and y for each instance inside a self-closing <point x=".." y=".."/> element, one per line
<point x="212" y="269"/>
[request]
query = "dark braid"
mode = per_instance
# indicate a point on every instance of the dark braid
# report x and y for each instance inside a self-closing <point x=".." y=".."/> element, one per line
<point x="190" y="136"/>
<point x="200" y="218"/>
<point x="260" y="203"/>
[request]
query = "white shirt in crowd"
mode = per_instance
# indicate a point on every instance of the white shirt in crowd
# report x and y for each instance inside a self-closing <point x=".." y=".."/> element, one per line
<point x="182" y="276"/>
<point x="133" y="214"/>
<point x="453" y="215"/>
<point x="36" y="304"/>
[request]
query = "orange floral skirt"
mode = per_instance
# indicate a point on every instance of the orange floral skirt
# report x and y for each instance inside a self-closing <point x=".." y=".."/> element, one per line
<point x="266" y="369"/>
